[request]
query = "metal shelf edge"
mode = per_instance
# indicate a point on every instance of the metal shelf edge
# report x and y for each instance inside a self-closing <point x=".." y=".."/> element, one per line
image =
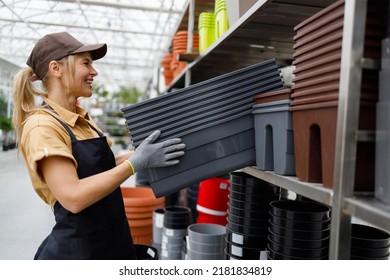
<point x="370" y="210"/>
<point x="313" y="191"/>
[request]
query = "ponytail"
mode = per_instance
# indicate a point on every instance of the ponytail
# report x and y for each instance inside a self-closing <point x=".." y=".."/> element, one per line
<point x="23" y="94"/>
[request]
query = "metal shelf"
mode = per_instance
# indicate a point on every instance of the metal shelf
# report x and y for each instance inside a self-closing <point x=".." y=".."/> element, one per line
<point x="265" y="31"/>
<point x="313" y="191"/>
<point x="368" y="209"/>
<point x="365" y="208"/>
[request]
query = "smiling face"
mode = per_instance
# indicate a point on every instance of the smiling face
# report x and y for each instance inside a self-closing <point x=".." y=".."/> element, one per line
<point x="76" y="75"/>
<point x="83" y="76"/>
<point x="70" y="78"/>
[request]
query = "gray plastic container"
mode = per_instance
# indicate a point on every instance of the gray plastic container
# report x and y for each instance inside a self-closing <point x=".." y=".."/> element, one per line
<point x="158" y="224"/>
<point x="201" y="87"/>
<point x="180" y="125"/>
<point x="213" y="118"/>
<point x="274" y="137"/>
<point x="382" y="153"/>
<point x="210" y="152"/>
<point x="188" y="128"/>
<point x="211" y="101"/>
<point x="170" y="101"/>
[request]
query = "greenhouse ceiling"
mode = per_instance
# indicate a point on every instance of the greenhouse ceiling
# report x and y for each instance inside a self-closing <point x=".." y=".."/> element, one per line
<point x="138" y="33"/>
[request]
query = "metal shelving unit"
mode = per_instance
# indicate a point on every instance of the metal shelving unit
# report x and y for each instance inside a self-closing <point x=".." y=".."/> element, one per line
<point x="266" y="31"/>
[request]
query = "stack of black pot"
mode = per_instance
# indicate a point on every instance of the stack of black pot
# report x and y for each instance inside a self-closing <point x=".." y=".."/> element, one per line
<point x="299" y="230"/>
<point x="248" y="215"/>
<point x="176" y="221"/>
<point x="369" y="243"/>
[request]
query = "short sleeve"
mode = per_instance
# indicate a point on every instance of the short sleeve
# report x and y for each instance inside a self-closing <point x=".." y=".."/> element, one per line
<point x="44" y="136"/>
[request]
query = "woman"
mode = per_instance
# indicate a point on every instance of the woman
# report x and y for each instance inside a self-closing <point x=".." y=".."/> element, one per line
<point x="70" y="163"/>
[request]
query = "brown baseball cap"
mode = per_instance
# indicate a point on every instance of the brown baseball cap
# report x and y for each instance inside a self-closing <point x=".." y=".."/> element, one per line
<point x="56" y="46"/>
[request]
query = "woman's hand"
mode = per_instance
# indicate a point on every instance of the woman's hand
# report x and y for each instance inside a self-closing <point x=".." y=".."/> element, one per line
<point x="150" y="154"/>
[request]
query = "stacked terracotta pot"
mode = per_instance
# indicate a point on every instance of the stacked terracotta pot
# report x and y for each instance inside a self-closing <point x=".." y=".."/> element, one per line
<point x="179" y="44"/>
<point x="140" y="203"/>
<point x="317" y="58"/>
<point x="167" y="72"/>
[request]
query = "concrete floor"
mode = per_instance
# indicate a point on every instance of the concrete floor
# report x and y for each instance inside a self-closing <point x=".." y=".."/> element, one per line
<point x="25" y="220"/>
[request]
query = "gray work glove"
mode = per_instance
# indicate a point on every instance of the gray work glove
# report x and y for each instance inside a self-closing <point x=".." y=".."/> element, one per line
<point x="150" y="154"/>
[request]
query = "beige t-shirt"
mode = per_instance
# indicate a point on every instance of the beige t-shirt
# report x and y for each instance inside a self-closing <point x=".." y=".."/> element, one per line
<point x="43" y="136"/>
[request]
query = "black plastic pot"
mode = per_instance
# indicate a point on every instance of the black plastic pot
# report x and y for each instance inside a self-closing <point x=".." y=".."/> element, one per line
<point x="177" y="217"/>
<point x="259" y="205"/>
<point x="259" y="230"/>
<point x="299" y="225"/>
<point x="260" y="213"/>
<point x="365" y="252"/>
<point x="254" y="241"/>
<point x="298" y="243"/>
<point x="352" y="257"/>
<point x="231" y="257"/>
<point x="298" y="252"/>
<point x="300" y="234"/>
<point x="369" y="237"/>
<point x="243" y="182"/>
<point x="247" y="222"/>
<point x="273" y="255"/>
<point x="305" y="211"/>
<point x="253" y="198"/>
<point x="246" y="253"/>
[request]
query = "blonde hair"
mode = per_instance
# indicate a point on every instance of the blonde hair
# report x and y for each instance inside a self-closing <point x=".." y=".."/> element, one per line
<point x="24" y="92"/>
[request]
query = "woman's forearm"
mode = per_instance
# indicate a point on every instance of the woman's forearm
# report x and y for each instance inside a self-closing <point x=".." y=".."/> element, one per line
<point x="122" y="157"/>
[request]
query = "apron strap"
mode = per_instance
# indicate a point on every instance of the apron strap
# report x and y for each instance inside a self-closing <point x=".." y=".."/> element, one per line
<point x="71" y="134"/>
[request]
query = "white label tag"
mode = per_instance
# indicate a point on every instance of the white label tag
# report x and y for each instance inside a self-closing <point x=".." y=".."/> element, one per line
<point x="159" y="221"/>
<point x="151" y="252"/>
<point x="169" y="232"/>
<point x="239" y="239"/>
<point x="237" y="251"/>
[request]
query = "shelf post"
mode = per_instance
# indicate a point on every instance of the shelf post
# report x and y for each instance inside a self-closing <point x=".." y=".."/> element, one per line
<point x="347" y="125"/>
<point x="190" y="29"/>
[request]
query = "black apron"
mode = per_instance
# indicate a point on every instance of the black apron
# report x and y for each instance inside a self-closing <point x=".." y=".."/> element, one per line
<point x="99" y="232"/>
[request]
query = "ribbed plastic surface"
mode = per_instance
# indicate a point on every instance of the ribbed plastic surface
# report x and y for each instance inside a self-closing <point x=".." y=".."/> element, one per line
<point x="213" y="118"/>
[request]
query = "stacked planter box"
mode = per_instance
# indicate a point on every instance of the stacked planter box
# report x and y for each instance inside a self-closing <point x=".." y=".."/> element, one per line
<point x="274" y="132"/>
<point x="213" y="118"/>
<point x="317" y="59"/>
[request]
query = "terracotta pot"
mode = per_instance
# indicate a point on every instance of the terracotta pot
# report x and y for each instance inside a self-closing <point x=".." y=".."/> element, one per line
<point x="140" y="196"/>
<point x="140" y="222"/>
<point x="142" y="209"/>
<point x="143" y="239"/>
<point x="142" y="235"/>
<point x="139" y="215"/>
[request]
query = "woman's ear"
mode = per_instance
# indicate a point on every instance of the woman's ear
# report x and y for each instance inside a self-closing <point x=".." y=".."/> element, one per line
<point x="55" y="69"/>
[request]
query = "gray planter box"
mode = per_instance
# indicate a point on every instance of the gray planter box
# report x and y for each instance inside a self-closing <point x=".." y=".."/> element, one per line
<point x="274" y="137"/>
